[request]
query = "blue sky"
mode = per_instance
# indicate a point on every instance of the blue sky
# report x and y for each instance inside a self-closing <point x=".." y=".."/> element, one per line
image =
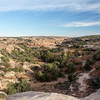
<point x="49" y="17"/>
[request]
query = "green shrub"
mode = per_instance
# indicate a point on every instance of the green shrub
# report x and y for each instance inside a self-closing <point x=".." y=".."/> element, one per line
<point x="5" y="61"/>
<point x="71" y="77"/>
<point x="49" y="73"/>
<point x="21" y="56"/>
<point x="52" y="71"/>
<point x="24" y="47"/>
<point x="47" y="56"/>
<point x="96" y="55"/>
<point x="70" y="68"/>
<point x="88" y="64"/>
<point x="37" y="54"/>
<point x="62" y="59"/>
<point x="55" y="50"/>
<point x="69" y="54"/>
<point x="7" y="69"/>
<point x="11" y="88"/>
<point x="40" y="76"/>
<point x="6" y="64"/>
<point x="76" y="53"/>
<point x="50" y="67"/>
<point x="18" y="69"/>
<point x="4" y="52"/>
<point x="45" y="76"/>
<point x="22" y="86"/>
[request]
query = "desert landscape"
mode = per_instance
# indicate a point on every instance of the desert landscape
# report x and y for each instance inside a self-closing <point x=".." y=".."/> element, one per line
<point x="69" y="66"/>
<point x="49" y="49"/>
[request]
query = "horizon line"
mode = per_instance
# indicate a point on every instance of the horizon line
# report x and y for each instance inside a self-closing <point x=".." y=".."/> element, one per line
<point x="44" y="36"/>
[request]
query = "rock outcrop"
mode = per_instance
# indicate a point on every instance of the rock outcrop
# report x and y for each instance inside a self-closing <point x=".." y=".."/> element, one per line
<point x="50" y="96"/>
<point x="40" y="96"/>
<point x="94" y="96"/>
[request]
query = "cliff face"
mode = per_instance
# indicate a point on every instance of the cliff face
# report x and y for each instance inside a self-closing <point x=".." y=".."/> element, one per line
<point x="40" y="96"/>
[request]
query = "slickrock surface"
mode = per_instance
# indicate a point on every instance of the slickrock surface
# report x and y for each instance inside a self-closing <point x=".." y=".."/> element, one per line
<point x="50" y="96"/>
<point x="40" y="96"/>
<point x="94" y="96"/>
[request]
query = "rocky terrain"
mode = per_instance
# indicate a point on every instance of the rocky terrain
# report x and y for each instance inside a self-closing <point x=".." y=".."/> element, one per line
<point x="67" y="66"/>
<point x="94" y="96"/>
<point x="10" y="44"/>
<point x="50" y="96"/>
<point x="40" y="96"/>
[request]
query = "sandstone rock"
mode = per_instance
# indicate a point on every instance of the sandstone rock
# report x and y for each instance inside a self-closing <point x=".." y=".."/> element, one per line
<point x="3" y="95"/>
<point x="10" y="74"/>
<point x="12" y="63"/>
<point x="94" y="96"/>
<point x="5" y="81"/>
<point x="40" y="96"/>
<point x="9" y="48"/>
<point x="1" y="72"/>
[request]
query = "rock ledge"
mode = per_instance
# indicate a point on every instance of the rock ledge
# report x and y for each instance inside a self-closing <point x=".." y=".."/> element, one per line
<point x="40" y="96"/>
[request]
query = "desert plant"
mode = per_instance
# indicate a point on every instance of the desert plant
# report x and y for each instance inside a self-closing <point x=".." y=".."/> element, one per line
<point x="55" y="50"/>
<point x="47" y="56"/>
<point x="88" y="64"/>
<point x="63" y="61"/>
<point x="71" y="77"/>
<point x="21" y="56"/>
<point x="50" y="67"/>
<point x="11" y="89"/>
<point x="70" y="68"/>
<point x="76" y="53"/>
<point x="18" y="69"/>
<point x="22" y="86"/>
<point x="4" y="52"/>
<point x="96" y="55"/>
<point x="5" y="61"/>
<point x="7" y="69"/>
<point x="49" y="73"/>
<point x="40" y="76"/>
<point x="69" y="54"/>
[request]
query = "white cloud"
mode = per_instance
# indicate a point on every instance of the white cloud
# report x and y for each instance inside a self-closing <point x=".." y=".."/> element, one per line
<point x="81" y="24"/>
<point x="73" y="5"/>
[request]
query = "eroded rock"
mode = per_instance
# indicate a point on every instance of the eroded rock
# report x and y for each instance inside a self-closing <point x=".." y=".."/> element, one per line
<point x="40" y="96"/>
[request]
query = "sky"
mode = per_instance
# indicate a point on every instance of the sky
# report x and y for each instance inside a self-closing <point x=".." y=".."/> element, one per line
<point x="49" y="17"/>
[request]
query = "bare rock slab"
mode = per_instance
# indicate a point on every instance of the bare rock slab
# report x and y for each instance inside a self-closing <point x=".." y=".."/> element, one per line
<point x="40" y="96"/>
